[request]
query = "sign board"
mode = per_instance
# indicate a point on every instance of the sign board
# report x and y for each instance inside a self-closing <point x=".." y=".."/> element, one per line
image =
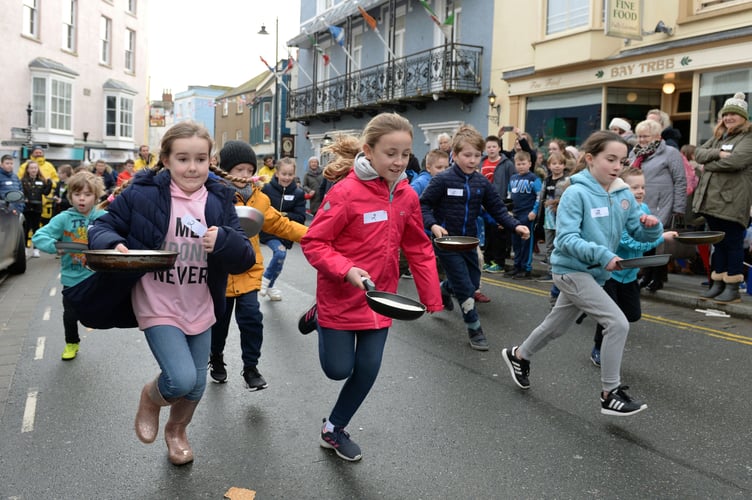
<point x="110" y="155"/>
<point x="623" y="18"/>
<point x="288" y="146"/>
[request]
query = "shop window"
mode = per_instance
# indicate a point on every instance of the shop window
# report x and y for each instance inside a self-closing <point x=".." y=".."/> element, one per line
<point x="564" y="15"/>
<point x="570" y="116"/>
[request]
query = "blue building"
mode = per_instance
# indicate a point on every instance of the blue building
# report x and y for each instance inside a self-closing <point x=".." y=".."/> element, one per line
<point x="432" y="70"/>
<point x="197" y="104"/>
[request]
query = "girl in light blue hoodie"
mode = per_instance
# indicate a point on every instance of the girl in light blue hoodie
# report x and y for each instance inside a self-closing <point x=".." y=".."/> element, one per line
<point x="592" y="214"/>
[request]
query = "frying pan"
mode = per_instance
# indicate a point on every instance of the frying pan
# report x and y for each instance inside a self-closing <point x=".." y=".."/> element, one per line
<point x="648" y="261"/>
<point x="71" y="246"/>
<point x="700" y="237"/>
<point x="135" y="261"/>
<point x="392" y="305"/>
<point x="456" y="243"/>
<point x="251" y="219"/>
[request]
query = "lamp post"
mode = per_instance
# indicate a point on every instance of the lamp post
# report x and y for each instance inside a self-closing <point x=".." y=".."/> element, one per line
<point x="29" y="138"/>
<point x="276" y="103"/>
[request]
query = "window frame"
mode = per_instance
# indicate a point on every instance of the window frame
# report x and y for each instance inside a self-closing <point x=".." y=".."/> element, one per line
<point x="105" y="44"/>
<point x="122" y="114"/>
<point x="50" y="105"/>
<point x="692" y="10"/>
<point x="30" y="19"/>
<point x="130" y="51"/>
<point x="70" y="26"/>
<point x="132" y="7"/>
<point x="568" y="26"/>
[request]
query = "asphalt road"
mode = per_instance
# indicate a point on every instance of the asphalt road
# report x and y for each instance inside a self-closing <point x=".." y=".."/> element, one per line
<point x="443" y="421"/>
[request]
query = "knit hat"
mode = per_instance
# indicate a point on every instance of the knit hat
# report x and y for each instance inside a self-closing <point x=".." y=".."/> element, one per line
<point x="234" y="153"/>
<point x="620" y="124"/>
<point x="736" y="105"/>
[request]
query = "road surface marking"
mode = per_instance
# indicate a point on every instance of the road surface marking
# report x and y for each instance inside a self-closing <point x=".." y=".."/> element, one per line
<point x="39" y="352"/>
<point x="46" y="315"/>
<point x="30" y="411"/>
<point x="53" y="291"/>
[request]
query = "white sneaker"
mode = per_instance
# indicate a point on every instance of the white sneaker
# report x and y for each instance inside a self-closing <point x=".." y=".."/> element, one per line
<point x="28" y="253"/>
<point x="35" y="254"/>
<point x="275" y="294"/>
<point x="264" y="287"/>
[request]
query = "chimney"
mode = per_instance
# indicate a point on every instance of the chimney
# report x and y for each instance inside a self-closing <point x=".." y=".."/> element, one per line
<point x="167" y="95"/>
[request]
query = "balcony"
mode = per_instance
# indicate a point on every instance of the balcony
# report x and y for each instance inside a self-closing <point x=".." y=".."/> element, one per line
<point x="452" y="70"/>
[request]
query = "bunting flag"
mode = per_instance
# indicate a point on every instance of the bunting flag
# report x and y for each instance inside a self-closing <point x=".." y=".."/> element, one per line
<point x="370" y="21"/>
<point x="447" y="25"/>
<point x="288" y="69"/>
<point x="431" y="13"/>
<point x="338" y="34"/>
<point x="271" y="69"/>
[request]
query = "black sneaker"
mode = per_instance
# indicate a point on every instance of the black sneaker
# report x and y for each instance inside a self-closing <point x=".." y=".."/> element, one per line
<point x="523" y="275"/>
<point x="253" y="379"/>
<point x="620" y="404"/>
<point x="519" y="368"/>
<point x="217" y="369"/>
<point x="446" y="299"/>
<point x="307" y="322"/>
<point x="339" y="441"/>
<point x="477" y="339"/>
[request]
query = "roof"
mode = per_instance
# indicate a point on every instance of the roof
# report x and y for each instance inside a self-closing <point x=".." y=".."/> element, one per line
<point x="251" y="85"/>
<point x="332" y="16"/>
<point x="49" y="64"/>
<point x="113" y="84"/>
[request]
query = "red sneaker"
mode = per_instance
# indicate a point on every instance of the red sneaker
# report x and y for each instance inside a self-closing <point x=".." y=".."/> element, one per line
<point x="481" y="298"/>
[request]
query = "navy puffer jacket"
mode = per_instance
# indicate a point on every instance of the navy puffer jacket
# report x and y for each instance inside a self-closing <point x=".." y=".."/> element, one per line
<point x="289" y="200"/>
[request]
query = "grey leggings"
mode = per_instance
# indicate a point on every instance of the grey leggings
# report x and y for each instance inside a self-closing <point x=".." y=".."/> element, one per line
<point x="581" y="293"/>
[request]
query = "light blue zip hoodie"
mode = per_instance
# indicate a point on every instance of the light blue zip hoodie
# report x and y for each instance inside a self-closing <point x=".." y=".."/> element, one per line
<point x="589" y="225"/>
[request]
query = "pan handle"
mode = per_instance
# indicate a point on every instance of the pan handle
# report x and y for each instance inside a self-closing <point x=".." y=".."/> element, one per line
<point x="368" y="284"/>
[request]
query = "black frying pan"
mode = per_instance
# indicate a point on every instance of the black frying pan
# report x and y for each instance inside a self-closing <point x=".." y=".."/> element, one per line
<point x="392" y="305"/>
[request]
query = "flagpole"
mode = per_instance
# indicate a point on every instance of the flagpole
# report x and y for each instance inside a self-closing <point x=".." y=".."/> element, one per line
<point x="394" y="56"/>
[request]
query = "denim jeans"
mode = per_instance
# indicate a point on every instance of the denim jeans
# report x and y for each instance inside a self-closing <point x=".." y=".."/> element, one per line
<point x="274" y="268"/>
<point x="250" y="322"/>
<point x="463" y="277"/>
<point x="354" y="355"/>
<point x="183" y="360"/>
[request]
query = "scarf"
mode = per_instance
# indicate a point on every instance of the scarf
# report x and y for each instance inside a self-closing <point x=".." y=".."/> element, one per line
<point x="642" y="153"/>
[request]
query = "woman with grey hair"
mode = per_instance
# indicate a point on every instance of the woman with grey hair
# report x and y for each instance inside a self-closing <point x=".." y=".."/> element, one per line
<point x="665" y="185"/>
<point x="312" y="183"/>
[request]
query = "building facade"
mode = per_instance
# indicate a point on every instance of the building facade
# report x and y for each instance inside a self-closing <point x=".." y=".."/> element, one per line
<point x="566" y="68"/>
<point x="77" y="72"/>
<point x="197" y="104"/>
<point x="431" y="67"/>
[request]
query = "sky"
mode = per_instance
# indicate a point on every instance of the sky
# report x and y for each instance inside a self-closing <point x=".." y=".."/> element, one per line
<point x="214" y="42"/>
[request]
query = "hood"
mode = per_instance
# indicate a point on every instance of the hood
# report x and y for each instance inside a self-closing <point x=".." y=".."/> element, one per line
<point x="366" y="172"/>
<point x="586" y="179"/>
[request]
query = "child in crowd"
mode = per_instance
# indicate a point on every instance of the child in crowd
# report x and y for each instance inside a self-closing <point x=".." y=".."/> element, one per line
<point x="60" y="201"/>
<point x="498" y="169"/>
<point x="9" y="181"/>
<point x="238" y="165"/>
<point x="289" y="200"/>
<point x="103" y="170"/>
<point x="436" y="162"/>
<point x="365" y="219"/>
<point x="35" y="188"/>
<point x="451" y="204"/>
<point x="70" y="226"/>
<point x="177" y="308"/>
<point x="622" y="287"/>
<point x="549" y="196"/>
<point x="524" y="187"/>
<point x="593" y="212"/>
<point x="129" y="170"/>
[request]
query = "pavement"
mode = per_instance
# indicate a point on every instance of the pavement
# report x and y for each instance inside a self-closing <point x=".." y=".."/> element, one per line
<point x="683" y="290"/>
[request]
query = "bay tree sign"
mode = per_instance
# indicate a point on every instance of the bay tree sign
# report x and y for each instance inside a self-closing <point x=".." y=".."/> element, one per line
<point x="624" y="19"/>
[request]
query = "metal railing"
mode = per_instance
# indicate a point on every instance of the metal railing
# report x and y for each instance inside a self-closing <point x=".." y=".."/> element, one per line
<point x="449" y="69"/>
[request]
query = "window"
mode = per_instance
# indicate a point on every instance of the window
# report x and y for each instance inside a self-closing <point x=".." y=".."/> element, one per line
<point x="563" y="15"/>
<point x="715" y="88"/>
<point x="711" y="4"/>
<point x="118" y="116"/>
<point x="30" y="18"/>
<point x="239" y="104"/>
<point x="266" y="121"/>
<point x="238" y="135"/>
<point x="52" y="103"/>
<point x="325" y="5"/>
<point x="70" y="9"/>
<point x="132" y="6"/>
<point x="224" y="138"/>
<point x="130" y="51"/>
<point x="105" y="40"/>
<point x="225" y="108"/>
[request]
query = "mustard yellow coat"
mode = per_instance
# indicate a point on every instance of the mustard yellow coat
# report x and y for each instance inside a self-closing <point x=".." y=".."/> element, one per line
<point x="274" y="223"/>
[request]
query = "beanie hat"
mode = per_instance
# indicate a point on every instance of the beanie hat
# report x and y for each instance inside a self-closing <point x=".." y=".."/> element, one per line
<point x="620" y="124"/>
<point x="234" y="153"/>
<point x="736" y="105"/>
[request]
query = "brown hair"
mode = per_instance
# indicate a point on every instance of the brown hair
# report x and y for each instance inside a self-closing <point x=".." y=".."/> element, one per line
<point x="522" y="156"/>
<point x="556" y="157"/>
<point x="595" y="144"/>
<point x="631" y="172"/>
<point x="345" y="147"/>
<point x="65" y="169"/>
<point x="434" y="155"/>
<point x="83" y="180"/>
<point x="467" y="135"/>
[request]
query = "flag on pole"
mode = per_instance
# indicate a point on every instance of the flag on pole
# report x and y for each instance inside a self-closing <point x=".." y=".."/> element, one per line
<point x="268" y="65"/>
<point x="447" y="25"/>
<point x="288" y="69"/>
<point x="431" y="13"/>
<point x="338" y="34"/>
<point x="368" y="18"/>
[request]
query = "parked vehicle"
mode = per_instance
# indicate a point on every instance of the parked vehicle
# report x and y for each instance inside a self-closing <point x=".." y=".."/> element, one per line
<point x="12" y="238"/>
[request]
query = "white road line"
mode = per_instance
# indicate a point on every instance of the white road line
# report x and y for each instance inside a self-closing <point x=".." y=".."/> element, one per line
<point x="46" y="315"/>
<point x="53" y="291"/>
<point x="30" y="411"/>
<point x="39" y="352"/>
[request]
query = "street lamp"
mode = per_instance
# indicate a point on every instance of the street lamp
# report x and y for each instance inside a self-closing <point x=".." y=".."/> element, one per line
<point x="277" y="101"/>
<point x="29" y="137"/>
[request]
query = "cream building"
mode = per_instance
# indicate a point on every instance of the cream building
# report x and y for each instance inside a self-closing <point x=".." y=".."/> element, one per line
<point x="558" y="74"/>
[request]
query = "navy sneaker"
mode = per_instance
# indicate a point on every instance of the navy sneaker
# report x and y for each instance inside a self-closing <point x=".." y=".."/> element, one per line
<point x="339" y="441"/>
<point x="519" y="368"/>
<point x="446" y="299"/>
<point x="477" y="339"/>
<point x="595" y="356"/>
<point x="620" y="404"/>
<point x="307" y="322"/>
<point x="253" y="379"/>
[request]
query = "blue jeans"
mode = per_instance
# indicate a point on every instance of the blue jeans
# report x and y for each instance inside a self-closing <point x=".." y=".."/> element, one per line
<point x="354" y="355"/>
<point x="523" y="249"/>
<point x="463" y="278"/>
<point x="274" y="268"/>
<point x="250" y="322"/>
<point x="183" y="360"/>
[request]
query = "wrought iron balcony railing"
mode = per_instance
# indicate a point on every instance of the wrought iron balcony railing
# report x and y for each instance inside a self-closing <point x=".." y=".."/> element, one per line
<point x="446" y="71"/>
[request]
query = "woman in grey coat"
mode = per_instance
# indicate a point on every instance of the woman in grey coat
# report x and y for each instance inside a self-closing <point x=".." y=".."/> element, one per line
<point x="724" y="196"/>
<point x="665" y="186"/>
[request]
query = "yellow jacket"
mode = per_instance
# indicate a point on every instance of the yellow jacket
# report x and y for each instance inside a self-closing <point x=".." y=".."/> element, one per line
<point x="141" y="163"/>
<point x="274" y="223"/>
<point x="267" y="173"/>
